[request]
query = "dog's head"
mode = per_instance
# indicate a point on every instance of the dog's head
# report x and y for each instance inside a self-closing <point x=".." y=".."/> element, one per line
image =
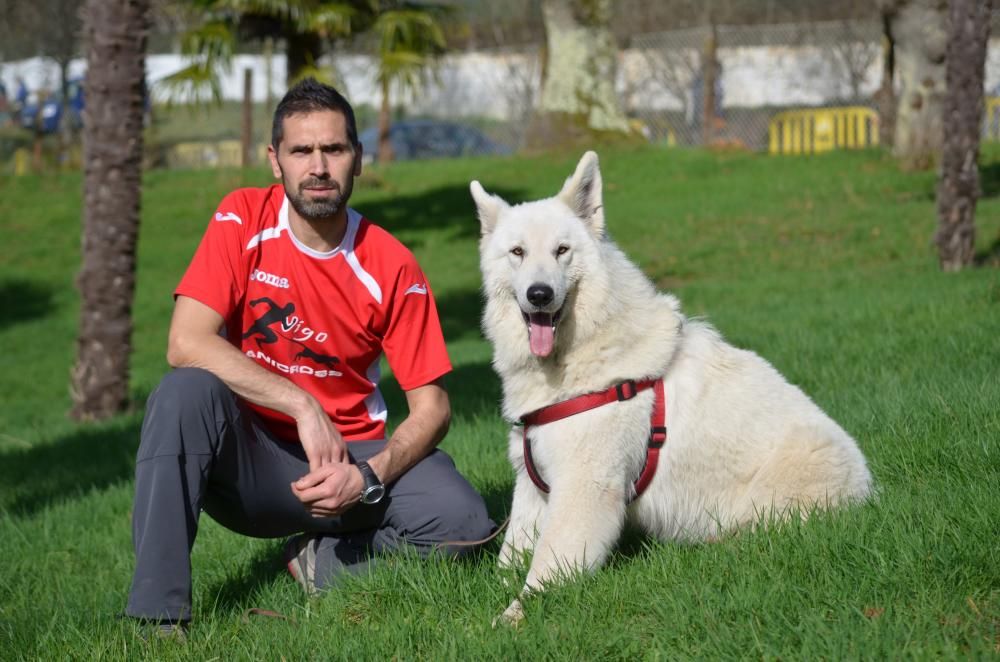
<point x="536" y="252"/>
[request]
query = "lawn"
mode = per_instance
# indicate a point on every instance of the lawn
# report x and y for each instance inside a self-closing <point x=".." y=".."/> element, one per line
<point x="823" y="265"/>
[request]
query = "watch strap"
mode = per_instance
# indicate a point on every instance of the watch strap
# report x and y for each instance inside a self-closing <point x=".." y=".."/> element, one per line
<point x="371" y="479"/>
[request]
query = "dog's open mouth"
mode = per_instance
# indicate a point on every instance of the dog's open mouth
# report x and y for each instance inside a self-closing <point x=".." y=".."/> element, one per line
<point x="542" y="331"/>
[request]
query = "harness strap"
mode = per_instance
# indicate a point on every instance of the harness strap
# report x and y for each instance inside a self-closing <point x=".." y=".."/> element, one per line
<point x="618" y="393"/>
<point x="657" y="437"/>
<point x="581" y="403"/>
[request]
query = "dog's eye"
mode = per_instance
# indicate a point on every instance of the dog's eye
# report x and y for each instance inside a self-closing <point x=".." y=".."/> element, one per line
<point x="518" y="251"/>
<point x="562" y="250"/>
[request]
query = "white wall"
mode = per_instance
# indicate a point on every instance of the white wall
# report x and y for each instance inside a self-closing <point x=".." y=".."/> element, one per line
<point x="502" y="85"/>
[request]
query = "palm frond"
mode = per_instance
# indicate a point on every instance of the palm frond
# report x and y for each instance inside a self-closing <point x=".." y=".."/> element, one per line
<point x="322" y="74"/>
<point x="331" y="20"/>
<point x="410" y="30"/>
<point x="197" y="83"/>
<point x="213" y="41"/>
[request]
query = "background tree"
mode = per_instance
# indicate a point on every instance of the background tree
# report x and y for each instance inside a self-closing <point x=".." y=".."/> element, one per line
<point x="578" y="83"/>
<point x="919" y="33"/>
<point x="958" y="184"/>
<point x="115" y="32"/>
<point x="409" y="36"/>
<point x="304" y="27"/>
<point x="885" y="97"/>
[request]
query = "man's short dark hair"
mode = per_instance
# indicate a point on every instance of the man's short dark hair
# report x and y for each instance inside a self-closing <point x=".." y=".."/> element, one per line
<point x="309" y="96"/>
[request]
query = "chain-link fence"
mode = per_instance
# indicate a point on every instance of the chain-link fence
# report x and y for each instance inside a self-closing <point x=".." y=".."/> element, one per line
<point x="761" y="76"/>
<point x="758" y="71"/>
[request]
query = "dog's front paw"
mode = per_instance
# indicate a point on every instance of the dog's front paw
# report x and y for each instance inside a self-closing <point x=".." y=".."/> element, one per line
<point x="511" y="617"/>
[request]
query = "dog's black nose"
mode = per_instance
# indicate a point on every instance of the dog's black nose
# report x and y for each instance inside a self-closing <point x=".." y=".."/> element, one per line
<point x="540" y="294"/>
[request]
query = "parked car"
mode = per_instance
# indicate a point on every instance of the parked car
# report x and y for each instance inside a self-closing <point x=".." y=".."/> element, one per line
<point x="431" y="139"/>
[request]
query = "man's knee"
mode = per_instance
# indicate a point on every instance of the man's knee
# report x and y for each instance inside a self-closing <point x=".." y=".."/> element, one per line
<point x="184" y="385"/>
<point x="185" y="413"/>
<point x="459" y="512"/>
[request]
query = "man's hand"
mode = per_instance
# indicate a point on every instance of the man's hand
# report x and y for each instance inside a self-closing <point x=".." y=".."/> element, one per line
<point x="330" y="490"/>
<point x="320" y="439"/>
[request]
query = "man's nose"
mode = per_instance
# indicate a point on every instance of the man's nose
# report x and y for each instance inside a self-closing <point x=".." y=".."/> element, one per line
<point x="318" y="164"/>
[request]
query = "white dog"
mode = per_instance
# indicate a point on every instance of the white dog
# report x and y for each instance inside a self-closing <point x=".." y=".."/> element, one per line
<point x="568" y="314"/>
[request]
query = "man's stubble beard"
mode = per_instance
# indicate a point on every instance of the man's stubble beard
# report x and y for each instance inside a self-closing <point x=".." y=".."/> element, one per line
<point x="317" y="210"/>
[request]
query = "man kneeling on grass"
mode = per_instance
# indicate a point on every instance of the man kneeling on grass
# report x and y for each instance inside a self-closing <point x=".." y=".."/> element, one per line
<point x="278" y="427"/>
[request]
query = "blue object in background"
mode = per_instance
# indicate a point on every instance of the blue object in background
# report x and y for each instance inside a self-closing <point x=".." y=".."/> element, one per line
<point x="429" y="139"/>
<point x="50" y="115"/>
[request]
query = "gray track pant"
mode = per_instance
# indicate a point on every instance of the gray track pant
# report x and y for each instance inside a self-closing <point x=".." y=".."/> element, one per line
<point x="202" y="448"/>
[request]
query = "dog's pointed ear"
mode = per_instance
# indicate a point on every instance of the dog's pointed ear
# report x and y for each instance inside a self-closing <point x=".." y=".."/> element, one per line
<point x="487" y="206"/>
<point x="582" y="193"/>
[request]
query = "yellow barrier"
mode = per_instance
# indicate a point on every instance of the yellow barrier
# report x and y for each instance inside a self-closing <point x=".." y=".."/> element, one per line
<point x="991" y="126"/>
<point x="22" y="162"/>
<point x="822" y="129"/>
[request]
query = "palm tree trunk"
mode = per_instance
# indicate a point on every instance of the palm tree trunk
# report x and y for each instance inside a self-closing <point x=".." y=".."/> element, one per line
<point x="303" y="51"/>
<point x="958" y="185"/>
<point x="115" y="32"/>
<point x="385" y="152"/>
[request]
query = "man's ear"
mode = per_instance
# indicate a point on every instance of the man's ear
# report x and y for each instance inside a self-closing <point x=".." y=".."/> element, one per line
<point x="487" y="206"/>
<point x="359" y="157"/>
<point x="272" y="156"/>
<point x="582" y="194"/>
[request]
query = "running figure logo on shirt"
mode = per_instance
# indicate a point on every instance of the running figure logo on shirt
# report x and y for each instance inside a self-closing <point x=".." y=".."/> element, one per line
<point x="279" y="314"/>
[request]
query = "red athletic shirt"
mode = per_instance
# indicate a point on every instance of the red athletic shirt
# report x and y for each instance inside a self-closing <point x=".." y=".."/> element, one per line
<point x="321" y="320"/>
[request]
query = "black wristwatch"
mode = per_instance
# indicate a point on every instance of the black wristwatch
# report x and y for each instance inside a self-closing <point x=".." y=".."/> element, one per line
<point x="374" y="490"/>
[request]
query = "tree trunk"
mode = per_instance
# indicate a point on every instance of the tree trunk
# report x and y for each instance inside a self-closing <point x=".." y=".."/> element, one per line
<point x="709" y="75"/>
<point x="958" y="184"/>
<point x="246" y="135"/>
<point x="920" y="32"/>
<point x="115" y="33"/>
<point x="385" y="152"/>
<point x="885" y="97"/>
<point x="578" y="90"/>
<point x="65" y="123"/>
<point x="302" y="49"/>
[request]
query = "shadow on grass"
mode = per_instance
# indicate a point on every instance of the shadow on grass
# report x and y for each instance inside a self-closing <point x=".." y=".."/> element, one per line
<point x="990" y="257"/>
<point x="22" y="300"/>
<point x="460" y="313"/>
<point x="989" y="180"/>
<point x="264" y="568"/>
<point x="87" y="459"/>
<point x="474" y="390"/>
<point x="408" y="217"/>
<point x="235" y="593"/>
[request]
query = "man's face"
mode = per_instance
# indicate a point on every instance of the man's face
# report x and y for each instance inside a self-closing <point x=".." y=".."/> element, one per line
<point x="316" y="163"/>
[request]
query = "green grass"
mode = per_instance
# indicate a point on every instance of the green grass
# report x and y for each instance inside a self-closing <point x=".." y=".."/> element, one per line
<point x="823" y="265"/>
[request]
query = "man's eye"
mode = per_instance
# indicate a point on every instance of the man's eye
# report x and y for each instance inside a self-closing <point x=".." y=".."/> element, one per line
<point x="518" y="251"/>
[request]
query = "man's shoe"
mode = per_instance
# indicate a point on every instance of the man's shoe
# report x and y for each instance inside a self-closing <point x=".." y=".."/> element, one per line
<point x="165" y="630"/>
<point x="300" y="556"/>
<point x="150" y="629"/>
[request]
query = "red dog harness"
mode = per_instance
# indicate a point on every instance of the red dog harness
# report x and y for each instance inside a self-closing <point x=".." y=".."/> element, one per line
<point x="617" y="393"/>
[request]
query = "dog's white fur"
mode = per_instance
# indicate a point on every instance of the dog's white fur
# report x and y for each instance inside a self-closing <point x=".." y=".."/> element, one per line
<point x="744" y="445"/>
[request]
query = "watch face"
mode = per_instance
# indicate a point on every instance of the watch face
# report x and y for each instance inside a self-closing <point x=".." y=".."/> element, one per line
<point x="373" y="494"/>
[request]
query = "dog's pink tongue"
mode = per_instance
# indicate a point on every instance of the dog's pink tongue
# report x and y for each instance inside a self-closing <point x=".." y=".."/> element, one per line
<point x="541" y="336"/>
